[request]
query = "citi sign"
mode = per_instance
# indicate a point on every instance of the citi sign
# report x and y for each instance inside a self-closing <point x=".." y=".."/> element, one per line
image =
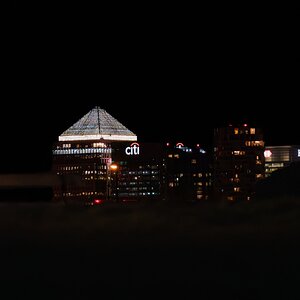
<point x="133" y="149"/>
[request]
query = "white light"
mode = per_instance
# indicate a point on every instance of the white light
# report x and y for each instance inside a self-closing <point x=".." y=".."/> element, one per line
<point x="298" y="152"/>
<point x="268" y="153"/>
<point x="133" y="149"/>
<point x="112" y="137"/>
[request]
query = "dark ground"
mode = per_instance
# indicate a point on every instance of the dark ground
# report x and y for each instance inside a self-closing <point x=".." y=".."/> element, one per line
<point x="152" y="251"/>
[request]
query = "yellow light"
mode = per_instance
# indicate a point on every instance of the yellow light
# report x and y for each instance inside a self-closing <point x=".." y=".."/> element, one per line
<point x="114" y="167"/>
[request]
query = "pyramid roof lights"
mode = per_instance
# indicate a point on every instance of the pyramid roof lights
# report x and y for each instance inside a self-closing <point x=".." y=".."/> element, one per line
<point x="95" y="125"/>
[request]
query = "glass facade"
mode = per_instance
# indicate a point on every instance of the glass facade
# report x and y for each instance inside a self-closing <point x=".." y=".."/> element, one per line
<point x="125" y="171"/>
<point x="238" y="161"/>
<point x="83" y="155"/>
<point x="97" y="125"/>
<point x="83" y="171"/>
<point x="277" y="157"/>
<point x="99" y="159"/>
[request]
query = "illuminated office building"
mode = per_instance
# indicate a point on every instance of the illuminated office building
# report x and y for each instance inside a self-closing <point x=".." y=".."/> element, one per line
<point x="140" y="172"/>
<point x="83" y="155"/>
<point x="98" y="158"/>
<point x="277" y="157"/>
<point x="161" y="172"/>
<point x="188" y="175"/>
<point x="238" y="161"/>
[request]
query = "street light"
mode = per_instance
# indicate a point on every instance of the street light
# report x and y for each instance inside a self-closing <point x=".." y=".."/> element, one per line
<point x="114" y="168"/>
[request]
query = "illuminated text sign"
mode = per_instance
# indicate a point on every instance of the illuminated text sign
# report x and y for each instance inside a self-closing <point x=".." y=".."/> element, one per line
<point x="133" y="149"/>
<point x="179" y="145"/>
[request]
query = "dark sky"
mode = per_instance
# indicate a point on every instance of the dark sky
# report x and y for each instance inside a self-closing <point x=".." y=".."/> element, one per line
<point x="164" y="73"/>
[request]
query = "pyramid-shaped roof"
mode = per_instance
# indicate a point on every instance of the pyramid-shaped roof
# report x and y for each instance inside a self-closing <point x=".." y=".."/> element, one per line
<point x="97" y="124"/>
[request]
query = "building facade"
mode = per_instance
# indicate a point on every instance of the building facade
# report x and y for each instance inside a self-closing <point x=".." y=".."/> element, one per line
<point x="83" y="155"/>
<point x="139" y="172"/>
<point x="189" y="172"/>
<point x="238" y="161"/>
<point x="99" y="159"/>
<point x="277" y="157"/>
<point x="157" y="171"/>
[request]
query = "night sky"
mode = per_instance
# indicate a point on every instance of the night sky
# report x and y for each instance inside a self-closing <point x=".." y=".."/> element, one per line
<point x="166" y="74"/>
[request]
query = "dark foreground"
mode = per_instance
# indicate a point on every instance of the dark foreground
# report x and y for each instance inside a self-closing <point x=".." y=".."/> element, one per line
<point x="143" y="251"/>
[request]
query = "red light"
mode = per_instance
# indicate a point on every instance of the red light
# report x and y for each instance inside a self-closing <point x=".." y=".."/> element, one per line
<point x="179" y="145"/>
<point x="245" y="125"/>
<point x="134" y="144"/>
<point x="98" y="201"/>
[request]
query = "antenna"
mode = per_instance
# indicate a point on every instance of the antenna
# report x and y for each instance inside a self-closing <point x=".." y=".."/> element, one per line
<point x="98" y="115"/>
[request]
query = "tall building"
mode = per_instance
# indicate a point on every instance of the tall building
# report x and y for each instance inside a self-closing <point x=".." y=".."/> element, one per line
<point x="140" y="172"/>
<point x="277" y="157"/>
<point x="156" y="171"/>
<point x="83" y="155"/>
<point x="188" y="172"/>
<point x="238" y="161"/>
<point x="99" y="159"/>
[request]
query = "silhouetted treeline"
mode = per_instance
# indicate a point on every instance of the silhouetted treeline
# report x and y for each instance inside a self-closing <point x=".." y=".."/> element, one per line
<point x="283" y="182"/>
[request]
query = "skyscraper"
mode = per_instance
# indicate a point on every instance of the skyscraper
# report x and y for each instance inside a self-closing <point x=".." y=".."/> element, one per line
<point x="83" y="154"/>
<point x="238" y="161"/>
<point x="99" y="159"/>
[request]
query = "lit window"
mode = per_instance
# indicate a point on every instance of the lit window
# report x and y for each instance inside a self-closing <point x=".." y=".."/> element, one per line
<point x="252" y="130"/>
<point x="170" y="155"/>
<point x="236" y="131"/>
<point x="99" y="145"/>
<point x="254" y="143"/>
<point x="194" y="161"/>
<point x="236" y="189"/>
<point x="230" y="198"/>
<point x="237" y="152"/>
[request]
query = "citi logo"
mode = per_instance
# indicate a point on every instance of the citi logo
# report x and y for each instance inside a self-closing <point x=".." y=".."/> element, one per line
<point x="133" y="149"/>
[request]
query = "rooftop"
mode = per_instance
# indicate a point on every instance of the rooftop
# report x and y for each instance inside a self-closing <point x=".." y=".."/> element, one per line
<point x="95" y="125"/>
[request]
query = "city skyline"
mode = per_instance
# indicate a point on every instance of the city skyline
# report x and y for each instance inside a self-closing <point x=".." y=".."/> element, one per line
<point x="43" y="135"/>
<point x="163" y="81"/>
<point x="168" y="73"/>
